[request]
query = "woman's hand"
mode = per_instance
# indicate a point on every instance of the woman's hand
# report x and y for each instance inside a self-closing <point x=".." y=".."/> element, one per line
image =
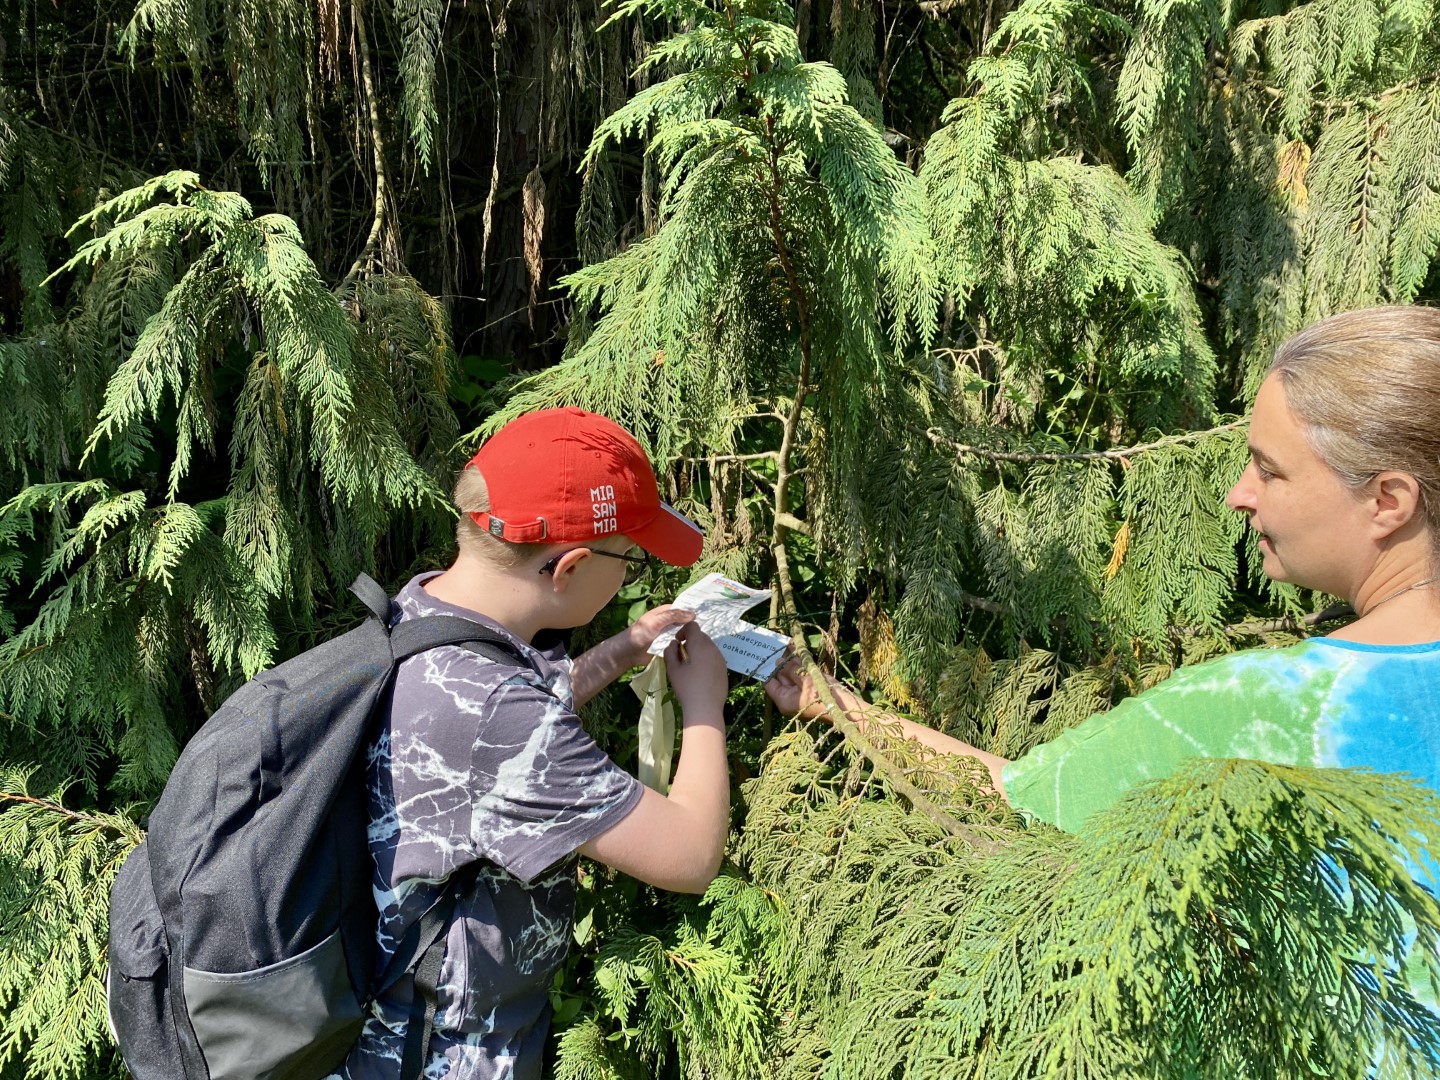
<point x="794" y="693"/>
<point x="644" y="630"/>
<point x="791" y="689"/>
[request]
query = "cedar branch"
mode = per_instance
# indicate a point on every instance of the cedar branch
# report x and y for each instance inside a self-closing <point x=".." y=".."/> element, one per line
<point x="1116" y="454"/>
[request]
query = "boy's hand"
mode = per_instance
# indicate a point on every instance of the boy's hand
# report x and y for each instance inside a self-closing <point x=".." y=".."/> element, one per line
<point x="700" y="680"/>
<point x="644" y="630"/>
<point x="676" y="841"/>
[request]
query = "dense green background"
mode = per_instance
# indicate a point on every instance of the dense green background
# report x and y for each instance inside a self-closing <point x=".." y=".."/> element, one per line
<point x="939" y="318"/>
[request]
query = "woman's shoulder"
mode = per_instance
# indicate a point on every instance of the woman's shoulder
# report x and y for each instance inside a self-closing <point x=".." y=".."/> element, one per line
<point x="1248" y="670"/>
<point x="1314" y="660"/>
<point x="1200" y="703"/>
<point x="1252" y="703"/>
<point x="1309" y="683"/>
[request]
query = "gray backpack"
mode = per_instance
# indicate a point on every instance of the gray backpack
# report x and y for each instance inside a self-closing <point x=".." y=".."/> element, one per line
<point x="242" y="931"/>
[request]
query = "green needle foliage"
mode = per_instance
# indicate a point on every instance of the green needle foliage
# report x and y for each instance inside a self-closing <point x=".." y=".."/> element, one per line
<point x="1321" y="172"/>
<point x="155" y="578"/>
<point x="54" y="898"/>
<point x="790" y="255"/>
<point x="942" y="319"/>
<point x="1146" y="947"/>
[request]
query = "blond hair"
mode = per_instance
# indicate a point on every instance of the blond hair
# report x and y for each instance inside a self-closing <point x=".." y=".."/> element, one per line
<point x="1366" y="386"/>
<point x="472" y="495"/>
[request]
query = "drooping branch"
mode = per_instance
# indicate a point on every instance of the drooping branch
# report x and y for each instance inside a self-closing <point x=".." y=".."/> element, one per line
<point x="111" y="822"/>
<point x="377" y="150"/>
<point x="893" y="775"/>
<point x="784" y="610"/>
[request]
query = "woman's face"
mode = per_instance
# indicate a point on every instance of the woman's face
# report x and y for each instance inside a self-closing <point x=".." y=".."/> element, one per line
<point x="1309" y="521"/>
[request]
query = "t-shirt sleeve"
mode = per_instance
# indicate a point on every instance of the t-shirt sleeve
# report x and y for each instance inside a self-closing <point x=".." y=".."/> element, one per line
<point x="1216" y="709"/>
<point x="540" y="786"/>
<point x="1083" y="770"/>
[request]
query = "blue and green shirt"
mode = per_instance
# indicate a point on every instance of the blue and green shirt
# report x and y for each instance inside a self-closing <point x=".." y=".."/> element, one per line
<point x="1321" y="703"/>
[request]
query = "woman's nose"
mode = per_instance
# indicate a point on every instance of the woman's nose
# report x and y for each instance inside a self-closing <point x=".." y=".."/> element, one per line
<point x="1241" y="496"/>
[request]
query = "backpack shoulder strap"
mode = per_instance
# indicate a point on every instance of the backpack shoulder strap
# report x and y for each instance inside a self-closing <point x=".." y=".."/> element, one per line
<point x="431" y="631"/>
<point x="372" y="596"/>
<point x="409" y="638"/>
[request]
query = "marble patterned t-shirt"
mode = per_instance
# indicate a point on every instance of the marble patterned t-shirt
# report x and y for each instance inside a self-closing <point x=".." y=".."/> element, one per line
<point x="1322" y="703"/>
<point x="484" y="762"/>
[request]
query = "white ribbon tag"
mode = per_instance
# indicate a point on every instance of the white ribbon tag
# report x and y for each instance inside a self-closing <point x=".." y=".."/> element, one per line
<point x="657" y="725"/>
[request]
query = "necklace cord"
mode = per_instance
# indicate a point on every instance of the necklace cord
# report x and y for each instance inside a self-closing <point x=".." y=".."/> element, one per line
<point x="1402" y="591"/>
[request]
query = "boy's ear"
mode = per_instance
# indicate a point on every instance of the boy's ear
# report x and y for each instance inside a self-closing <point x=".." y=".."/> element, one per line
<point x="567" y="565"/>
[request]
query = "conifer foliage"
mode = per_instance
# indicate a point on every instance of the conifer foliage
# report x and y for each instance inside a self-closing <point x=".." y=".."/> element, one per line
<point x="967" y="391"/>
<point x="1142" y="949"/>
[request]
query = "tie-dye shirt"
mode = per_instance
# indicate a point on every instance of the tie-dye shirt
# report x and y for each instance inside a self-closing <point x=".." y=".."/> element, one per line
<point x="481" y="762"/>
<point x="1321" y="703"/>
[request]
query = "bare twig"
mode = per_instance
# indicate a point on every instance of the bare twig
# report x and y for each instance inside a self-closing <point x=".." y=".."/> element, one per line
<point x="1254" y="627"/>
<point x="768" y="455"/>
<point x="980" y="603"/>
<point x="793" y="524"/>
<point x="1247" y="628"/>
<point x="1117" y="454"/>
<point x="498" y="29"/>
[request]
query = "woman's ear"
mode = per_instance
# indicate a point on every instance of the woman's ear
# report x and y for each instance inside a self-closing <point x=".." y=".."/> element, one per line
<point x="1395" y="501"/>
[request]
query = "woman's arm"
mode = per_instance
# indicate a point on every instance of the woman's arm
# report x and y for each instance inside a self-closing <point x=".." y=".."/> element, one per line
<point x="795" y="694"/>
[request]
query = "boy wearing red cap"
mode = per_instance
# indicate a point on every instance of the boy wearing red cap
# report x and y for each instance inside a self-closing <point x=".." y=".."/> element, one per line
<point x="481" y="763"/>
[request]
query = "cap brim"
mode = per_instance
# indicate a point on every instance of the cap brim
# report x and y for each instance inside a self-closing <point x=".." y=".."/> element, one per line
<point x="671" y="537"/>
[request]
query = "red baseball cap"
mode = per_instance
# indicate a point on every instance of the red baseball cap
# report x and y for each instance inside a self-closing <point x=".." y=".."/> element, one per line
<point x="562" y="476"/>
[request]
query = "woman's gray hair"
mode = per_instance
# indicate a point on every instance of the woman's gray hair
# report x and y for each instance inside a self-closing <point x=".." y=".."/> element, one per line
<point x="1366" y="386"/>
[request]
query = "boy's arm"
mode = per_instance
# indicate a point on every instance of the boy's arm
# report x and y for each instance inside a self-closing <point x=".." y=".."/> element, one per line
<point x="676" y="841"/>
<point x="794" y="694"/>
<point x="597" y="667"/>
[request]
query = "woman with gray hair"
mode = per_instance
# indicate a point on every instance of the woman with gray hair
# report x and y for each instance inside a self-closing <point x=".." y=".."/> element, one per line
<point x="1343" y="486"/>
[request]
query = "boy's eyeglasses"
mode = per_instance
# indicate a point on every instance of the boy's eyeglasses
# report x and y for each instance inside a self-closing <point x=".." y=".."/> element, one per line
<point x="639" y="564"/>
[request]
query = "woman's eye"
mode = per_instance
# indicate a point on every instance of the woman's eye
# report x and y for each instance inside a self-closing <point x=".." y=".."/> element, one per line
<point x="1262" y="472"/>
